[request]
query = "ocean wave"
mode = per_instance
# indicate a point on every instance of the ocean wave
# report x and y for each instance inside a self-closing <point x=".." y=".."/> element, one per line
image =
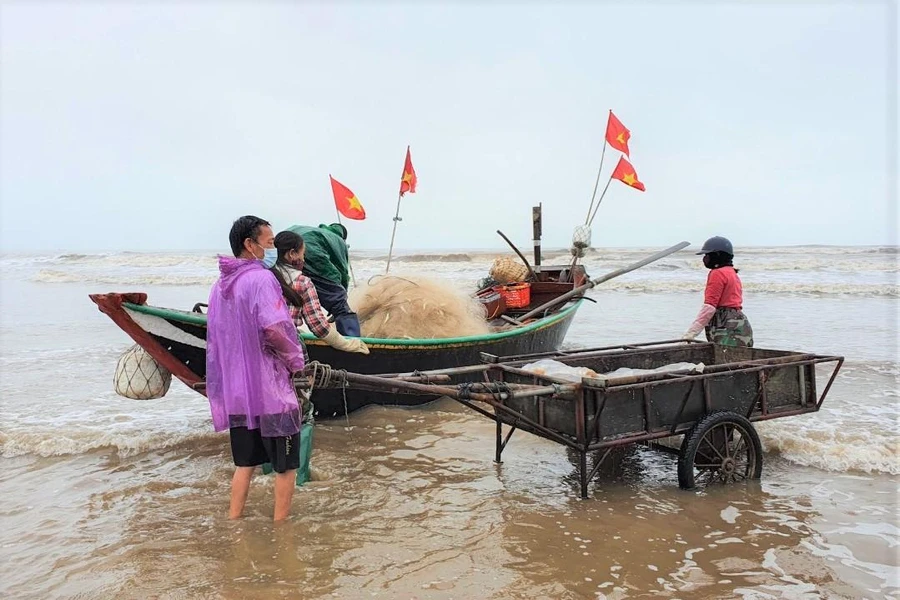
<point x="788" y="289"/>
<point x="816" y="249"/>
<point x="758" y="266"/>
<point x="126" y="442"/>
<point x="833" y="448"/>
<point x="454" y="257"/>
<point x="76" y="257"/>
<point x="53" y="276"/>
<point x="644" y="286"/>
<point x="137" y="259"/>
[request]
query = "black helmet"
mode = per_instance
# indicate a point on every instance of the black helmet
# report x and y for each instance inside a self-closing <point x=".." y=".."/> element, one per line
<point x="717" y="244"/>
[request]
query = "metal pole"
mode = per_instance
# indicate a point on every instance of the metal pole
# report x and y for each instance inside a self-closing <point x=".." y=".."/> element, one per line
<point x="536" y="230"/>
<point x="393" y="233"/>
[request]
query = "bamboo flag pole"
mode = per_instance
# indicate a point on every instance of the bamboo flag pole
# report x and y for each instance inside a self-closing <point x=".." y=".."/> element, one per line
<point x="596" y="183"/>
<point x="590" y="218"/>
<point x="599" y="170"/>
<point x="349" y="264"/>
<point x="602" y="194"/>
<point x="394" y="233"/>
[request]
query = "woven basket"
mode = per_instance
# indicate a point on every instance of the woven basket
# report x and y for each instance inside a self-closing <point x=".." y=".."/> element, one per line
<point x="508" y="270"/>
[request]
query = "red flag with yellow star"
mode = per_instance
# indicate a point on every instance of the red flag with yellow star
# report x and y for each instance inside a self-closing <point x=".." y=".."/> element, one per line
<point x="625" y="173"/>
<point x="346" y="201"/>
<point x="408" y="180"/>
<point x="617" y="135"/>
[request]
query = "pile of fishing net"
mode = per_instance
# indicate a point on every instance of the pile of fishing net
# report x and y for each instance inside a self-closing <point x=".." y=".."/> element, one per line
<point x="414" y="307"/>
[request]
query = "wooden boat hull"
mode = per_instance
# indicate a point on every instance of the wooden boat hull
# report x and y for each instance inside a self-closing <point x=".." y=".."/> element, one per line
<point x="177" y="340"/>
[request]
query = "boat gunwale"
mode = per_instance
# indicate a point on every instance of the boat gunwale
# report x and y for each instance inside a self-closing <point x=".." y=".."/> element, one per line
<point x="200" y="319"/>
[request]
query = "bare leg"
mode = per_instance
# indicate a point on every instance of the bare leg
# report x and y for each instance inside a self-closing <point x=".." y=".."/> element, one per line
<point x="240" y="487"/>
<point x="284" y="492"/>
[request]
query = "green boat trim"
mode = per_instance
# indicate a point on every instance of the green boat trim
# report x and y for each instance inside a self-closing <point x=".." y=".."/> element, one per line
<point x="193" y="318"/>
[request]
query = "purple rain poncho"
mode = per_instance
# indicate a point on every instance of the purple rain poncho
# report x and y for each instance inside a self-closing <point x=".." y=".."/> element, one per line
<point x="251" y="351"/>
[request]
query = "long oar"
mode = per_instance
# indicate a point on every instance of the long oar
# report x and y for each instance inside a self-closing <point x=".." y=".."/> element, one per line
<point x="583" y="288"/>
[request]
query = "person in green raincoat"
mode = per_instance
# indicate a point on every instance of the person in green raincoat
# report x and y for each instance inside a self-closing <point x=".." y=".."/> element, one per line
<point x="327" y="264"/>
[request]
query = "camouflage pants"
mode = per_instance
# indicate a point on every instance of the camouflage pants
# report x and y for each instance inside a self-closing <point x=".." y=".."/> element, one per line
<point x="730" y="327"/>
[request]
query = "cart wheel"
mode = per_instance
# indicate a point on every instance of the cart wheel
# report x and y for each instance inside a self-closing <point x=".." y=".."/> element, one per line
<point x="723" y="447"/>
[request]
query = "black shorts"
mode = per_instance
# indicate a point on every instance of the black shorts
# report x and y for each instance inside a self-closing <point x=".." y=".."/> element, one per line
<point x="250" y="449"/>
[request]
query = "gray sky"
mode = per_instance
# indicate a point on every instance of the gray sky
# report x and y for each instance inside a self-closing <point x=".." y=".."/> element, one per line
<point x="152" y="126"/>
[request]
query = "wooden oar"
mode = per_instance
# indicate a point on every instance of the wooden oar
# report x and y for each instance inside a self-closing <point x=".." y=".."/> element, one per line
<point x="580" y="290"/>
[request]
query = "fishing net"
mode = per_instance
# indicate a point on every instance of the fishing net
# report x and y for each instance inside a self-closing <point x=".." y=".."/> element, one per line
<point x="581" y="240"/>
<point x="140" y="377"/>
<point x="416" y="307"/>
<point x="508" y="270"/>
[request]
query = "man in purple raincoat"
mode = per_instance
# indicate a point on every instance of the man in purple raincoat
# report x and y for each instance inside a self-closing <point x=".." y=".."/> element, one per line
<point x="252" y="353"/>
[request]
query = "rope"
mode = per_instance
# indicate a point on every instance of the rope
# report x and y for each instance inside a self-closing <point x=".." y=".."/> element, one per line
<point x="321" y="375"/>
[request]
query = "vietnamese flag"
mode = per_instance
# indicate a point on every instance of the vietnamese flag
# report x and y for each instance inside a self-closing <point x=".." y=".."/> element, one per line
<point x="408" y="180"/>
<point x="617" y="135"/>
<point x="625" y="173"/>
<point x="346" y="201"/>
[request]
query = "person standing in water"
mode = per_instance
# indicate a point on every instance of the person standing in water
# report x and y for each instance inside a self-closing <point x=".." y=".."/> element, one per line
<point x="722" y="313"/>
<point x="302" y="296"/>
<point x="251" y="357"/>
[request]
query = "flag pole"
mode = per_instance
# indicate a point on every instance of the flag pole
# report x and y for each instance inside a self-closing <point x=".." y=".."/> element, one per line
<point x="596" y="183"/>
<point x="393" y="233"/>
<point x="599" y="170"/>
<point x="590" y="218"/>
<point x="349" y="264"/>
<point x="602" y="194"/>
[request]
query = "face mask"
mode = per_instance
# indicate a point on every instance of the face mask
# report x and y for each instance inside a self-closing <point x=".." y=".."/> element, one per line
<point x="270" y="257"/>
<point x="298" y="264"/>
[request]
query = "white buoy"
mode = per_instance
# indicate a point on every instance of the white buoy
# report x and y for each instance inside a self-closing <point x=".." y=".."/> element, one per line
<point x="140" y="377"/>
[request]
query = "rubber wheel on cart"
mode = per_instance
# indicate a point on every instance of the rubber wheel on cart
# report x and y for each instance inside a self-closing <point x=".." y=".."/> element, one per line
<point x="723" y="447"/>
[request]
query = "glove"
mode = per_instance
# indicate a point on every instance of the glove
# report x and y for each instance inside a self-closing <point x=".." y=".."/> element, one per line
<point x="339" y="342"/>
<point x="699" y="324"/>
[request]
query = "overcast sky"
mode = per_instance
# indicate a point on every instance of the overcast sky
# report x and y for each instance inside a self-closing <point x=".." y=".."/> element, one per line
<point x="150" y="126"/>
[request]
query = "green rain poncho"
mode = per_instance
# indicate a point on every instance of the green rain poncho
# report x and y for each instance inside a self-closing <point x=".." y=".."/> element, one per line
<point x="326" y="252"/>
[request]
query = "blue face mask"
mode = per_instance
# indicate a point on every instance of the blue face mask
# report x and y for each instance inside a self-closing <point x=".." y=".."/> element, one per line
<point x="270" y="257"/>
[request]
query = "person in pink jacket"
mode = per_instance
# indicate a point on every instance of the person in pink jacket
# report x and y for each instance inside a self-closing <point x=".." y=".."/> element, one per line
<point x="252" y="354"/>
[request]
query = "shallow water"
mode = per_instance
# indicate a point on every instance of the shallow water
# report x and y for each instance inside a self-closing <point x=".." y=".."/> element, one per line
<point x="107" y="497"/>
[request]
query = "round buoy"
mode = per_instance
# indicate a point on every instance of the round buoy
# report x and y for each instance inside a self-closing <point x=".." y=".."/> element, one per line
<point x="140" y="377"/>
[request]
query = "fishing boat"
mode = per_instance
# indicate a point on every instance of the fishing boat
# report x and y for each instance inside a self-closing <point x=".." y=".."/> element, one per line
<point x="176" y="339"/>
